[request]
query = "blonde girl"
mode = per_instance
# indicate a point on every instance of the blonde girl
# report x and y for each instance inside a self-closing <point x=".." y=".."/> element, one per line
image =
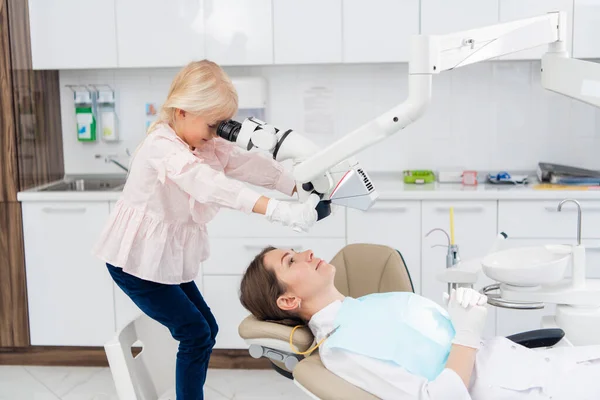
<point x="180" y="176"/>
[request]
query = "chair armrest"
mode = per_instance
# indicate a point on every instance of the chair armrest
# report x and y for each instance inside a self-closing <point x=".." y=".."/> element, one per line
<point x="538" y="338"/>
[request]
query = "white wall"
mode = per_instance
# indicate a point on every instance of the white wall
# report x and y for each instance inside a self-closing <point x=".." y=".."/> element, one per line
<point x="487" y="116"/>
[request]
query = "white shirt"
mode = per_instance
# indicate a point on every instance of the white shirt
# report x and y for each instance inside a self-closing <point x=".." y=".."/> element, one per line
<point x="503" y="370"/>
<point x="158" y="229"/>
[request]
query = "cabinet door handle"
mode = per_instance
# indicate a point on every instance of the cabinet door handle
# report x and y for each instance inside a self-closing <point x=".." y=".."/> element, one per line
<point x="574" y="209"/>
<point x="260" y="247"/>
<point x="460" y="209"/>
<point x="58" y="210"/>
<point x="390" y="207"/>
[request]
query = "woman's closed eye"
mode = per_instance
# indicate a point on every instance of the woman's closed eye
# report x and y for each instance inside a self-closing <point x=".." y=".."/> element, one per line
<point x="290" y="260"/>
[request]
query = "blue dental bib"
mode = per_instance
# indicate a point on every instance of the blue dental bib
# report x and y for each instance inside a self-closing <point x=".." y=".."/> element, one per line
<point x="399" y="327"/>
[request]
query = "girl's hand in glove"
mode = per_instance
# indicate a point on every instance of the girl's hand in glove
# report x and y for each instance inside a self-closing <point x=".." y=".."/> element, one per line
<point x="300" y="216"/>
<point x="468" y="314"/>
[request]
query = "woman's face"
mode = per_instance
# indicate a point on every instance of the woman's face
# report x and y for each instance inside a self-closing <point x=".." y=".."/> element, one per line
<point x="304" y="275"/>
<point x="195" y="130"/>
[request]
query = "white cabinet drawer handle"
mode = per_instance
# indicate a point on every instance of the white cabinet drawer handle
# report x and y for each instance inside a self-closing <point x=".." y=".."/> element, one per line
<point x="574" y="209"/>
<point x="460" y="209"/>
<point x="73" y="210"/>
<point x="260" y="247"/>
<point x="379" y="208"/>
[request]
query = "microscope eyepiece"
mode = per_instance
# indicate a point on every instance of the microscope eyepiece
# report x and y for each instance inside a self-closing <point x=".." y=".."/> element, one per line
<point x="229" y="130"/>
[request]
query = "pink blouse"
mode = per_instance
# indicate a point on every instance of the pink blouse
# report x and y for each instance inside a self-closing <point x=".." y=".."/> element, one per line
<point x="157" y="231"/>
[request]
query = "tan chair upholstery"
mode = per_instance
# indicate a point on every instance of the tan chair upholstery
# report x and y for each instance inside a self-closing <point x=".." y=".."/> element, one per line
<point x="361" y="269"/>
<point x="252" y="328"/>
<point x="314" y="377"/>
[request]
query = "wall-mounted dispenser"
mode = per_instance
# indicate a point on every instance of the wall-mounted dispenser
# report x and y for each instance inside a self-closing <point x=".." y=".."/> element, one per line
<point x="107" y="113"/>
<point x="84" y="113"/>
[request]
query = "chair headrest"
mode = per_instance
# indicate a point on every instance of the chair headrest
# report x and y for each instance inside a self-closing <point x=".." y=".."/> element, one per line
<point x="252" y="328"/>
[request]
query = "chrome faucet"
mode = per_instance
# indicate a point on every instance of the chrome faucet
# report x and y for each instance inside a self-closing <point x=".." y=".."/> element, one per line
<point x="452" y="257"/>
<point x="578" y="216"/>
<point x="111" y="159"/>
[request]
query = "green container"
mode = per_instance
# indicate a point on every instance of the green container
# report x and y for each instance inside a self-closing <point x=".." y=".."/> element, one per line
<point x="419" y="176"/>
<point x="86" y="124"/>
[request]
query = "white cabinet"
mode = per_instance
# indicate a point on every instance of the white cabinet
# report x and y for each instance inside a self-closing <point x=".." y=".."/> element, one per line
<point x="158" y="33"/>
<point x="239" y="32"/>
<point x="308" y="31"/>
<point x="586" y="29"/>
<point x="73" y="34"/>
<point x="475" y="232"/>
<point x="378" y="30"/>
<point x="70" y="292"/>
<point x="125" y="309"/>
<point x="541" y="219"/>
<point x="222" y="296"/>
<point x="511" y="10"/>
<point x="443" y="16"/>
<point x="396" y="224"/>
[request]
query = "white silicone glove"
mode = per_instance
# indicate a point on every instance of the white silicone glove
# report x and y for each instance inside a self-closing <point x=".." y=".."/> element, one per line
<point x="300" y="216"/>
<point x="468" y="314"/>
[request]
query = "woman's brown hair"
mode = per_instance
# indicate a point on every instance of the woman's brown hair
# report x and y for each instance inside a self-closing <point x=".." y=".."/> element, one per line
<point x="260" y="290"/>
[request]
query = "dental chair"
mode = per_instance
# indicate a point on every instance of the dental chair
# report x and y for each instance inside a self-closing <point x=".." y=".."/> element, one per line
<point x="361" y="269"/>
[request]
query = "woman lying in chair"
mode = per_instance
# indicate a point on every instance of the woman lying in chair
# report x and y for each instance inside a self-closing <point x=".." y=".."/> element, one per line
<point x="403" y="346"/>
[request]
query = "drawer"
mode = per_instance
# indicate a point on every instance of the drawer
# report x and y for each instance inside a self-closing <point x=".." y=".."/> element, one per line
<point x="233" y="223"/>
<point x="232" y="256"/>
<point x="540" y="219"/>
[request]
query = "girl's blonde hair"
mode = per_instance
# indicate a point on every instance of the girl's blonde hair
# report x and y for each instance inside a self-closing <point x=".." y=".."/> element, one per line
<point x="201" y="88"/>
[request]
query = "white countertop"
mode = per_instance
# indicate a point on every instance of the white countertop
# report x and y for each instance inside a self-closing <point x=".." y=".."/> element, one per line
<point x="389" y="188"/>
<point x="397" y="190"/>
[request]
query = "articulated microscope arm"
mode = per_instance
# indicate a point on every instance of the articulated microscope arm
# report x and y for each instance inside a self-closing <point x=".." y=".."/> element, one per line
<point x="430" y="54"/>
<point x="344" y="183"/>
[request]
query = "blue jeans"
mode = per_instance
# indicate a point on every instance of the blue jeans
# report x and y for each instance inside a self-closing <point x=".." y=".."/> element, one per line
<point x="182" y="309"/>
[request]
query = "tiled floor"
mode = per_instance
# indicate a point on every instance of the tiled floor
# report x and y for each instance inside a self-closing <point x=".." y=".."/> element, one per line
<point x="69" y="383"/>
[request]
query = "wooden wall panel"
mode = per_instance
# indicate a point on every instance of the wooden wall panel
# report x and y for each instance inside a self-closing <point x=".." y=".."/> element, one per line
<point x="36" y="105"/>
<point x="8" y="149"/>
<point x="14" y="324"/>
<point x="30" y="154"/>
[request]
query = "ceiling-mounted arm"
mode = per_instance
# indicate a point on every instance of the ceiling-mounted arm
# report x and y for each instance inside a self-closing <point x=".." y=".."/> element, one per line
<point x="570" y="77"/>
<point x="432" y="54"/>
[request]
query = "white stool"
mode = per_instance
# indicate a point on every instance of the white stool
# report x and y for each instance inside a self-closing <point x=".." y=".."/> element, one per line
<point x="150" y="375"/>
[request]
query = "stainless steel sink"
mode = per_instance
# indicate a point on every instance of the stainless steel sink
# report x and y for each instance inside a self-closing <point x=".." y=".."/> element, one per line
<point x="86" y="185"/>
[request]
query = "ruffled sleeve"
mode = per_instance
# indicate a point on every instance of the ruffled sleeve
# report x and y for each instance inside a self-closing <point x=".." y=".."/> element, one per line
<point x="203" y="183"/>
<point x="253" y="167"/>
